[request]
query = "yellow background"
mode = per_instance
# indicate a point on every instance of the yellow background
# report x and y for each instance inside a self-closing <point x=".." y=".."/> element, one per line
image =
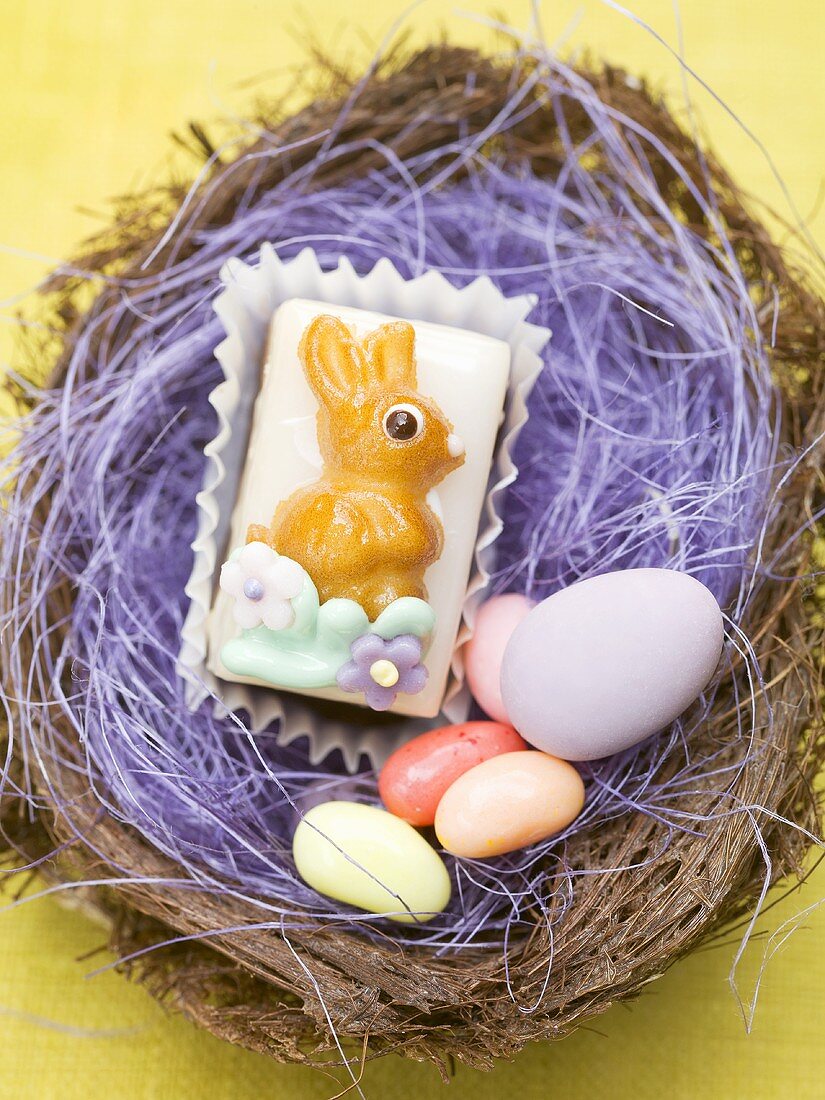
<point x="89" y="91"/>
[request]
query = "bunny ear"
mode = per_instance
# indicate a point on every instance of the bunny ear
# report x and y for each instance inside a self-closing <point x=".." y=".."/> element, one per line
<point x="389" y="351"/>
<point x="332" y="360"/>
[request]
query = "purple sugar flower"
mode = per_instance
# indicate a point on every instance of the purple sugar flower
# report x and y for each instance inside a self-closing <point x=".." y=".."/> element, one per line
<point x="382" y="669"/>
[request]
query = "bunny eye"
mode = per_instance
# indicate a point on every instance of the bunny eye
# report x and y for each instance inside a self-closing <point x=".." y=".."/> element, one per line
<point x="403" y="423"/>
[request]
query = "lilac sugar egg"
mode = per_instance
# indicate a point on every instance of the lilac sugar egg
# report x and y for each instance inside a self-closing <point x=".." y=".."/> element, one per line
<point x="605" y="663"/>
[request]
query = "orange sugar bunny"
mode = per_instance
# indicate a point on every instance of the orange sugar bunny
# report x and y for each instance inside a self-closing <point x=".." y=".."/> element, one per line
<point x="364" y="530"/>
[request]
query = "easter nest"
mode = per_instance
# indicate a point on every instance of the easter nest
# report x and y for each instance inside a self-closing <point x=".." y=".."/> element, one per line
<point x="685" y="834"/>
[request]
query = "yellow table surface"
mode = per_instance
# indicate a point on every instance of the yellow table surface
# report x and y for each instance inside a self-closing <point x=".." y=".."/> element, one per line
<point x="89" y="91"/>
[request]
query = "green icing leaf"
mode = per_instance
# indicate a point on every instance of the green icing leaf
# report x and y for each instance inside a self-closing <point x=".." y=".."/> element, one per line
<point x="409" y="615"/>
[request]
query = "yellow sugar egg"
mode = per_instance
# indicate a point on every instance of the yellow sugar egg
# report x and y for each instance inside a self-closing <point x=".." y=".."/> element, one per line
<point x="508" y="802"/>
<point x="368" y="858"/>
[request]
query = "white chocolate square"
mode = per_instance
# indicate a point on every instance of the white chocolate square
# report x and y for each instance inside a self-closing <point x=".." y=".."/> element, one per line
<point x="466" y="374"/>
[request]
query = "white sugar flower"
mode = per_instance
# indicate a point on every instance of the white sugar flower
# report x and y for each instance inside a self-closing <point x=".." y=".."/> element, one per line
<point x="262" y="583"/>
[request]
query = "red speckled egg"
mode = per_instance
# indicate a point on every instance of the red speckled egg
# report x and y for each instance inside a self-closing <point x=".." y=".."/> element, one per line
<point x="416" y="776"/>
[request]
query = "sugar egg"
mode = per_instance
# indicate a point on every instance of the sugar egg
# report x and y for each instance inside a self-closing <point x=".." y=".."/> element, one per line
<point x="605" y="663"/>
<point x="508" y="802"/>
<point x="495" y="622"/>
<point x="416" y="776"/>
<point x="365" y="857"/>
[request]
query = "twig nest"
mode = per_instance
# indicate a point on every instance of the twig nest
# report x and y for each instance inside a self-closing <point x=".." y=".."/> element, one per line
<point x="658" y="438"/>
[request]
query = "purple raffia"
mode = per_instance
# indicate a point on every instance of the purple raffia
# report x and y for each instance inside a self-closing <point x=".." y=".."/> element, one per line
<point x="653" y="441"/>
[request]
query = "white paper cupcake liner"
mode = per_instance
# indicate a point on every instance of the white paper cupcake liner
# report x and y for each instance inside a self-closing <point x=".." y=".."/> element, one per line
<point x="245" y="307"/>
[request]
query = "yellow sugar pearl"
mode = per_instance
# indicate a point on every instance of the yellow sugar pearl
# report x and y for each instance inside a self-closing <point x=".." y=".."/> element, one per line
<point x="384" y="673"/>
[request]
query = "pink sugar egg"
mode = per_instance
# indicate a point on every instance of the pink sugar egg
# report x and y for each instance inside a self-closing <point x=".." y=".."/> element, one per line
<point x="415" y="777"/>
<point x="495" y="622"/>
<point x="508" y="802"/>
<point x="602" y="665"/>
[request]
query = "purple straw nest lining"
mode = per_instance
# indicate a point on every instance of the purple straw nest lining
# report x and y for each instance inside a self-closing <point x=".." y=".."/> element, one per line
<point x="657" y="437"/>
